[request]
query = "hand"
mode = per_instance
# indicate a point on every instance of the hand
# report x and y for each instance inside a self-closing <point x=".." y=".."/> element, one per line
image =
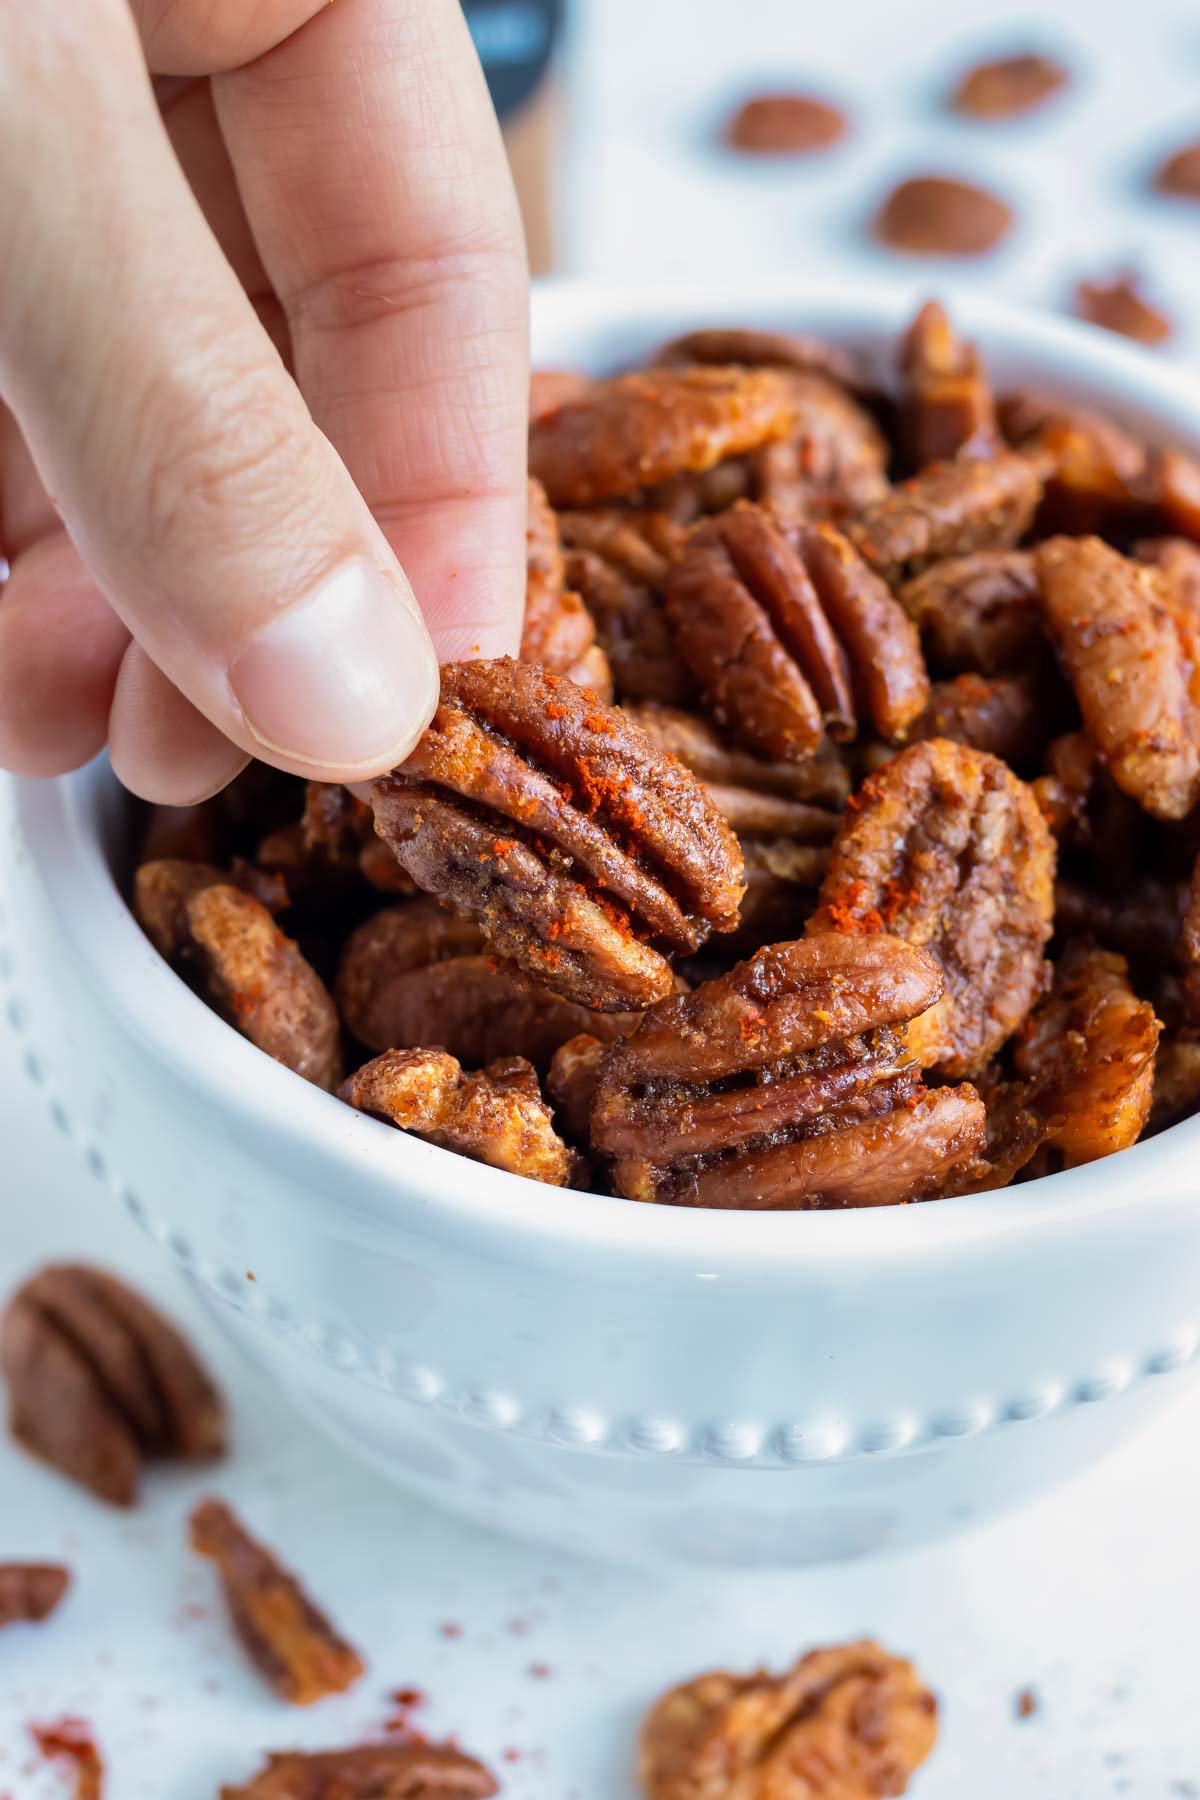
<point x="264" y="352"/>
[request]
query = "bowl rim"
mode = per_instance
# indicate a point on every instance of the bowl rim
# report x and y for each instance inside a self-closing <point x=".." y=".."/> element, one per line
<point x="401" y="1182"/>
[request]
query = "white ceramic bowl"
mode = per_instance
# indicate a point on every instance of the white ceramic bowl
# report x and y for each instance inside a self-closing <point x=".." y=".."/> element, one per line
<point x="650" y="1383"/>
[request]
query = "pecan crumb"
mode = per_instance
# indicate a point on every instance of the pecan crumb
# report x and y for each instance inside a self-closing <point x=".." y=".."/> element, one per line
<point x="69" y="1742"/>
<point x="29" y="1592"/>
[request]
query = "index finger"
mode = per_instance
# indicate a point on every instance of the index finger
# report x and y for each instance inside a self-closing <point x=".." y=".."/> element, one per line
<point x="374" y="177"/>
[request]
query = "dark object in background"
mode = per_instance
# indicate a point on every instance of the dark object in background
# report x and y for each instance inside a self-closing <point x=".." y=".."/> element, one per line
<point x="1008" y="86"/>
<point x="938" y="215"/>
<point x="1118" y="306"/>
<point x="516" y="41"/>
<point x="1180" y="173"/>
<point x="785" y="124"/>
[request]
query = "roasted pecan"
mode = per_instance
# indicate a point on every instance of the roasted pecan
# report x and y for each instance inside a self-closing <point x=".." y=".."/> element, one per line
<point x="845" y="1723"/>
<point x="98" y="1382"/>
<point x="618" y="561"/>
<point x="1179" y="174"/>
<point x="497" y="1116"/>
<point x="790" y="640"/>
<point x="947" y="849"/>
<point x="29" y="1592"/>
<point x="1176" y="1079"/>
<point x="1087" y="1056"/>
<point x="559" y="631"/>
<point x="572" y="1083"/>
<point x="833" y="462"/>
<point x="786" y="1085"/>
<point x="551" y="388"/>
<point x="559" y="828"/>
<point x="1006" y="715"/>
<point x="946" y="405"/>
<point x="1172" y="485"/>
<point x="977" y="614"/>
<point x="1119" y="306"/>
<point x="1011" y="84"/>
<point x="162" y="889"/>
<point x="734" y="777"/>
<point x="725" y="345"/>
<point x="787" y="124"/>
<point x="1179" y="561"/>
<point x="414" y="977"/>
<point x="936" y="215"/>
<point x="949" y="509"/>
<point x="1097" y="477"/>
<point x="289" y="1640"/>
<point x="636" y="430"/>
<point x="369" y="1772"/>
<point x="1130" y="652"/>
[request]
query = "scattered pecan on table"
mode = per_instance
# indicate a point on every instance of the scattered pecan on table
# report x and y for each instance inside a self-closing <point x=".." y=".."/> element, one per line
<point x="288" y="1639"/>
<point x="369" y="1772"/>
<point x="29" y="1592"/>
<point x="99" y="1382"/>
<point x="1179" y="173"/>
<point x="938" y="215"/>
<point x="1119" y="305"/>
<point x="785" y="124"/>
<point x="1008" y="86"/>
<point x="845" y="1723"/>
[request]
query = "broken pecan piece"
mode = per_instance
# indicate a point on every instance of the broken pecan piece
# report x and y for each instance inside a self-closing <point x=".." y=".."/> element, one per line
<point x="637" y="430"/>
<point x="98" y="1381"/>
<point x="1129" y="649"/>
<point x="949" y="509"/>
<point x="369" y="1772"/>
<point x="29" y="1592"/>
<point x="790" y="639"/>
<point x="845" y="1723"/>
<point x="497" y="1116"/>
<point x="557" y="826"/>
<point x="786" y="1085"/>
<point x="572" y="1083"/>
<point x="1006" y="715"/>
<point x="289" y="1640"/>
<point x="1119" y="305"/>
<point x="559" y="632"/>
<point x="618" y="561"/>
<point x="946" y="848"/>
<point x="946" y="405"/>
<point x="977" y="614"/>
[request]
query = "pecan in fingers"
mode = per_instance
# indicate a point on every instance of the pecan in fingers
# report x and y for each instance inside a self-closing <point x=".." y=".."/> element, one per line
<point x="557" y="826"/>
<point x="946" y="848"/>
<point x="618" y="561"/>
<point x="786" y="1085"/>
<point x="637" y="430"/>
<point x="289" y="1640"/>
<point x="29" y="1592"/>
<point x="497" y="1116"/>
<point x="559" y="632"/>
<point x="98" y="1381"/>
<point x="977" y="614"/>
<point x="845" y="1723"/>
<point x="789" y="640"/>
<point x="946" y="406"/>
<point x="949" y="509"/>
<point x="369" y="1772"/>
<point x="1131" y="654"/>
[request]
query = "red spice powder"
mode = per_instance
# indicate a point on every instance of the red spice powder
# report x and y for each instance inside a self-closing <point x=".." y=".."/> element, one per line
<point x="71" y="1739"/>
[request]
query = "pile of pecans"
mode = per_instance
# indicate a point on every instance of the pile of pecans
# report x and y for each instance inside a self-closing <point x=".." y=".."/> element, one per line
<point x="833" y="842"/>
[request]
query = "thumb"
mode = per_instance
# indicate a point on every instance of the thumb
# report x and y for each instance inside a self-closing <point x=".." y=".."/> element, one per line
<point x="218" y="521"/>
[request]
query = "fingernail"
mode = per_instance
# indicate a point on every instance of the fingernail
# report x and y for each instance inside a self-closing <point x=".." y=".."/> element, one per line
<point x="344" y="680"/>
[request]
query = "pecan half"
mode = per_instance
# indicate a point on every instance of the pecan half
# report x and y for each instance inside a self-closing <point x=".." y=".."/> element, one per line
<point x="784" y="125"/>
<point x="414" y="976"/>
<point x="949" y="509"/>
<point x="1179" y="561"/>
<point x="497" y="1116"/>
<point x="162" y="889"/>
<point x="937" y="215"/>
<point x="1130" y="652"/>
<point x="1179" y="174"/>
<point x="1176" y="1079"/>
<point x="786" y="1085"/>
<point x="738" y="780"/>
<point x="946" y="404"/>
<point x="559" y="632"/>
<point x="788" y="640"/>
<point x="845" y="1723"/>
<point x="369" y="1772"/>
<point x="725" y="345"/>
<point x="946" y="848"/>
<point x="560" y="829"/>
<point x="636" y="430"/>
<point x="832" y="462"/>
<point x="618" y="561"/>
<point x="289" y="1640"/>
<point x="1010" y="85"/>
<point x="29" y="1592"/>
<point x="1006" y="715"/>
<point x="98" y="1382"/>
<point x="977" y="614"/>
<point x="572" y="1083"/>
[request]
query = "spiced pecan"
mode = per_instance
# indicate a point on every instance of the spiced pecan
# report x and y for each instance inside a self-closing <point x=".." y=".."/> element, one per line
<point x="551" y="388"/>
<point x="1006" y="715"/>
<point x="1179" y="173"/>
<point x="162" y="889"/>
<point x="1097" y="477"/>
<point x="559" y="632"/>
<point x="1016" y="1132"/>
<point x="1130" y="652"/>
<point x="977" y="614"/>
<point x="946" y="848"/>
<point x="496" y="1116"/>
<point x="1179" y="560"/>
<point x="1119" y="305"/>
<point x="1009" y="85"/>
<point x="29" y="1592"/>
<point x="415" y="977"/>
<point x="846" y="1723"/>
<point x="636" y="430"/>
<point x="369" y="1772"/>
<point x="618" y="561"/>
<point x="786" y="1085"/>
<point x="789" y="640"/>
<point x="1176" y="1093"/>
<point x="288" y="1639"/>
<point x="572" y="1082"/>
<point x="726" y="345"/>
<point x="560" y="829"/>
<point x="833" y="461"/>
<point x="949" y="509"/>
<point x="820" y="781"/>
<point x="946" y="405"/>
<point x="99" y="1382"/>
<point x="1172" y="484"/>
<point x="937" y="215"/>
<point x="786" y="124"/>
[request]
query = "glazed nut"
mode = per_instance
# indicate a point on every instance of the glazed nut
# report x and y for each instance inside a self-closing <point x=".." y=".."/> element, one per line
<point x="497" y="1116"/>
<point x="618" y="561"/>
<point x="638" y="430"/>
<point x="1119" y="305"/>
<point x="1010" y="85"/>
<point x="786" y="1085"/>
<point x="845" y="1723"/>
<point x="369" y="1772"/>
<point x="946" y="404"/>
<point x="977" y="614"/>
<point x="937" y="215"/>
<point x="833" y="461"/>
<point x="790" y="640"/>
<point x="556" y="825"/>
<point x="559" y="632"/>
<point x="944" y="847"/>
<point x="1006" y="715"/>
<point x="572" y="1083"/>
<point x="725" y="345"/>
<point x="99" y="1382"/>
<point x="289" y="1640"/>
<point x="1179" y="174"/>
<point x="820" y="783"/>
<point x="786" y="124"/>
<point x="949" y="509"/>
<point x="30" y="1592"/>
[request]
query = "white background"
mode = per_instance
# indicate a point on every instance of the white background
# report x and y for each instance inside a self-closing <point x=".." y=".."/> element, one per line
<point x="1090" y="1598"/>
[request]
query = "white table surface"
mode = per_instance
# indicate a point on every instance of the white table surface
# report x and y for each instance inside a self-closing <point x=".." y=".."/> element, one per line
<point x="1090" y="1598"/>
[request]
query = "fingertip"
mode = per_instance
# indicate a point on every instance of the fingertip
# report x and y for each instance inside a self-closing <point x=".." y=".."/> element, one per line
<point x="162" y="748"/>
